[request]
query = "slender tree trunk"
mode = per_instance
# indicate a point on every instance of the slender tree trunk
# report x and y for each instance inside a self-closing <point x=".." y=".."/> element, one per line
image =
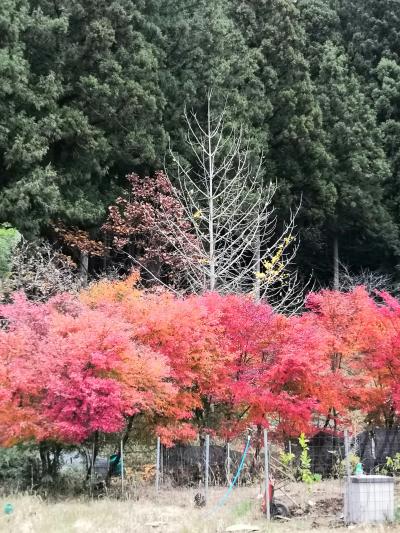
<point x="257" y="443"/>
<point x="43" y="458"/>
<point x="84" y="267"/>
<point x="335" y="263"/>
<point x="54" y="463"/>
<point x="127" y="431"/>
<point x="106" y="242"/>
<point x="257" y="286"/>
<point x="211" y="202"/>
<point x="212" y="255"/>
<point x="94" y="454"/>
<point x="50" y="459"/>
<point x="152" y="271"/>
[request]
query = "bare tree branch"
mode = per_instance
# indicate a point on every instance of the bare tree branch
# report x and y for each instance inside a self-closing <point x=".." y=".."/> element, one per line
<point x="41" y="271"/>
<point x="372" y="281"/>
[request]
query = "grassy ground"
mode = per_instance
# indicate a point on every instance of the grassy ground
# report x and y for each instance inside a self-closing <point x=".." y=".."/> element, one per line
<point x="172" y="511"/>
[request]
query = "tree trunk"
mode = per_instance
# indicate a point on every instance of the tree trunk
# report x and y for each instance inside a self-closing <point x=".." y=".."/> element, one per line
<point x="128" y="430"/>
<point x="152" y="271"/>
<point x="257" y="286"/>
<point x="257" y="443"/>
<point x="211" y="229"/>
<point x="43" y="458"/>
<point x="94" y="454"/>
<point x="54" y="461"/>
<point x="335" y="263"/>
<point x="50" y="459"/>
<point x="107" y="243"/>
<point x="84" y="267"/>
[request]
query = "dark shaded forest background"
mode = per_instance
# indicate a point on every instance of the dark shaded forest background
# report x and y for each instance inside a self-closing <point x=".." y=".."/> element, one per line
<point x="91" y="90"/>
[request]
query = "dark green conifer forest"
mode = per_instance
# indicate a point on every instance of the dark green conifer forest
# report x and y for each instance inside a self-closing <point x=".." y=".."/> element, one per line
<point x="91" y="90"/>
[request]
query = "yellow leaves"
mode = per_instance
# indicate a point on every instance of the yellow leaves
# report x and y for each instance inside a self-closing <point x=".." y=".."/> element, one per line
<point x="112" y="291"/>
<point x="274" y="267"/>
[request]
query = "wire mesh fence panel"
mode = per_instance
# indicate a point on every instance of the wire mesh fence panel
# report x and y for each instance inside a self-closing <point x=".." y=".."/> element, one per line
<point x="244" y="462"/>
<point x="375" y="446"/>
<point x="307" y="479"/>
<point x="372" y="489"/>
<point x="326" y="453"/>
<point x="139" y="461"/>
<point x="314" y="480"/>
<point x="396" y="498"/>
<point x="184" y="465"/>
<point x="301" y="487"/>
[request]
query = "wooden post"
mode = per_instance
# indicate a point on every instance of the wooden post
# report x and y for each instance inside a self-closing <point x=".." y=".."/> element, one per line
<point x="122" y="467"/>
<point x="207" y="467"/>
<point x="158" y="464"/>
<point x="266" y="475"/>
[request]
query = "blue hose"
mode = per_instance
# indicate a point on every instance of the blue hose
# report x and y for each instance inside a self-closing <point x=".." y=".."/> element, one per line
<point x="222" y="500"/>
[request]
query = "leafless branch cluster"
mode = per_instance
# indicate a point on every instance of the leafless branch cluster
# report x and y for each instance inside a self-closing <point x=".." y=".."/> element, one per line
<point x="239" y="246"/>
<point x="372" y="281"/>
<point x="41" y="271"/>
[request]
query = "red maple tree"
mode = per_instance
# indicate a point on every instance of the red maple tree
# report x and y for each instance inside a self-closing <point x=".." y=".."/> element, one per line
<point x="145" y="223"/>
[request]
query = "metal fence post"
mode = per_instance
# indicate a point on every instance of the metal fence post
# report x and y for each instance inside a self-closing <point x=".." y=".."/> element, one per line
<point x="158" y="464"/>
<point x="266" y="475"/>
<point x="228" y="462"/>
<point x="347" y="482"/>
<point x="92" y="468"/>
<point x="207" y="467"/>
<point x="122" y="466"/>
<point x="161" y="464"/>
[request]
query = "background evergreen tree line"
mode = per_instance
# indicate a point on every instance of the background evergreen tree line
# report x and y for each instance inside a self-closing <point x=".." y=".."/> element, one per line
<point x="93" y="89"/>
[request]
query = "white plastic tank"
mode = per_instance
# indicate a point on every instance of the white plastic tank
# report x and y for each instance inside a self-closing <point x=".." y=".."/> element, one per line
<point x="369" y="499"/>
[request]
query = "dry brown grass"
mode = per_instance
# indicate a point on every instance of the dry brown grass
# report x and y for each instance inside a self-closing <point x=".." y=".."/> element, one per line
<point x="173" y="510"/>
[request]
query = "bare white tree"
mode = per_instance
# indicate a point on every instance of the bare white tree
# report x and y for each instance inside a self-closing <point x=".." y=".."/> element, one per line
<point x="239" y="246"/>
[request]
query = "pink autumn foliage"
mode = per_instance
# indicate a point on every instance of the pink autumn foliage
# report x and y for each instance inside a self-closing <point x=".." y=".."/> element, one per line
<point x="72" y="367"/>
<point x="66" y="372"/>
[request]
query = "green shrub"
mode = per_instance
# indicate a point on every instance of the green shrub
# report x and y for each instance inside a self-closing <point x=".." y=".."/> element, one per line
<point x="9" y="239"/>
<point x="19" y="468"/>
